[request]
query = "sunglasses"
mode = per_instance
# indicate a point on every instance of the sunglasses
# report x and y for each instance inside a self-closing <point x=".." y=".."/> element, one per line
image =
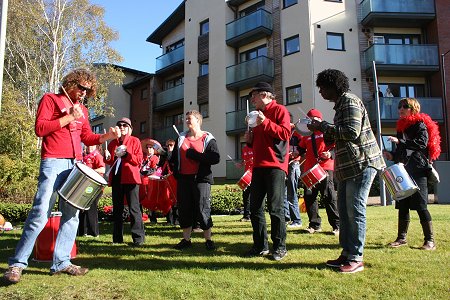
<point x="83" y="88"/>
<point x="124" y="125"/>
<point x="404" y="106"/>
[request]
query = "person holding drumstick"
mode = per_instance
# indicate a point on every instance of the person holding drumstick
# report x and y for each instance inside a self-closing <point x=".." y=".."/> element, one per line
<point x="193" y="155"/>
<point x="417" y="143"/>
<point x="89" y="219"/>
<point x="357" y="160"/>
<point x="125" y="178"/>
<point x="62" y="123"/>
<point x="270" y="143"/>
<point x="315" y="151"/>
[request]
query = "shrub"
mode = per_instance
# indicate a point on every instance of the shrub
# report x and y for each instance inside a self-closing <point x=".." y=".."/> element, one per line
<point x="13" y="212"/>
<point x="226" y="200"/>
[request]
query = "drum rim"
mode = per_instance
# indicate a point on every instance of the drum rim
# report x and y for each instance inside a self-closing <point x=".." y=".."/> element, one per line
<point x="94" y="179"/>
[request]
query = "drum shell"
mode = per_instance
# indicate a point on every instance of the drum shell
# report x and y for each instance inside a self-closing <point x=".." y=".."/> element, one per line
<point x="398" y="182"/>
<point x="80" y="189"/>
<point x="245" y="180"/>
<point x="159" y="194"/>
<point x="313" y="176"/>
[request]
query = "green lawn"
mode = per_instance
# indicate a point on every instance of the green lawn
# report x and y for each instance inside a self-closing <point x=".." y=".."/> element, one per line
<point x="157" y="271"/>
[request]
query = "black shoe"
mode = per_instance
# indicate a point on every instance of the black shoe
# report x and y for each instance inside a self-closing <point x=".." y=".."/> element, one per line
<point x="183" y="244"/>
<point x="254" y="252"/>
<point x="279" y="254"/>
<point x="210" y="245"/>
<point x="137" y="244"/>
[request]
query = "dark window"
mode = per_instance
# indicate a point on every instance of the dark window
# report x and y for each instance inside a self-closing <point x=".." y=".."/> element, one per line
<point x="204" y="27"/>
<point x="254" y="53"/>
<point x="144" y="93"/>
<point x="142" y="127"/>
<point x="287" y="3"/>
<point x="291" y="45"/>
<point x="168" y="84"/>
<point x="204" y="110"/>
<point x="173" y="120"/>
<point x="204" y="69"/>
<point x="174" y="46"/>
<point x="97" y="128"/>
<point x="294" y="94"/>
<point x="335" y="41"/>
<point x="251" y="9"/>
<point x="339" y="1"/>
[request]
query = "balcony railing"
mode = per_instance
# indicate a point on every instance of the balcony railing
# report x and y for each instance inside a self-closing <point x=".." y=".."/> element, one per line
<point x="249" y="28"/>
<point x="173" y="59"/>
<point x="386" y="12"/>
<point x="233" y="172"/>
<point x="169" y="97"/>
<point x="413" y="57"/>
<point x="236" y="121"/>
<point x="162" y="134"/>
<point x="250" y="72"/>
<point x="389" y="108"/>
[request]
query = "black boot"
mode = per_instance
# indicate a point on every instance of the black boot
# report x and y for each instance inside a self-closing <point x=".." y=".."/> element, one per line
<point x="401" y="236"/>
<point x="427" y="228"/>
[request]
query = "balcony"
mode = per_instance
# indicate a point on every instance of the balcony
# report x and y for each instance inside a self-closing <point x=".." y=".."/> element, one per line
<point x="248" y="73"/>
<point x="233" y="172"/>
<point x="404" y="60"/>
<point x="397" y="13"/>
<point x="169" y="98"/>
<point x="235" y="2"/>
<point x="389" y="111"/>
<point x="236" y="121"/>
<point x="171" y="61"/>
<point x="249" y="28"/>
<point x="164" y="133"/>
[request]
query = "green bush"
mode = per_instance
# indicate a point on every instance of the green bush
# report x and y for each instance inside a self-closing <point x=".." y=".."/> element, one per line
<point x="13" y="212"/>
<point x="226" y="200"/>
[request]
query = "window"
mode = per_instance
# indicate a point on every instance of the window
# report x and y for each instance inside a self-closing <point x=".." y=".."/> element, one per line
<point x="335" y="41"/>
<point x="242" y="104"/>
<point x="168" y="84"/>
<point x="144" y="93"/>
<point x="204" y="69"/>
<point x="287" y="3"/>
<point x="174" y="46"/>
<point x="291" y="45"/>
<point x="251" y="9"/>
<point x="173" y="120"/>
<point x="204" y="109"/>
<point x="253" y="53"/>
<point x="204" y="27"/>
<point x="294" y="94"/>
<point x="97" y="128"/>
<point x="142" y="127"/>
<point x="339" y="1"/>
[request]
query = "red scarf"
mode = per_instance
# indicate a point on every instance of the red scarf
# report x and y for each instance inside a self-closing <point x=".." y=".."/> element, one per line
<point x="434" y="138"/>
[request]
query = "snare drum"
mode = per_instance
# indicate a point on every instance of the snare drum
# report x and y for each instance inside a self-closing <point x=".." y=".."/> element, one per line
<point x="160" y="194"/>
<point x="82" y="187"/>
<point x="302" y="126"/>
<point x="245" y="180"/>
<point x="398" y="182"/>
<point x="313" y="176"/>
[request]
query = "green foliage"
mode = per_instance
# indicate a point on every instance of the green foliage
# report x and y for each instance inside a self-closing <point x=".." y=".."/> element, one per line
<point x="226" y="200"/>
<point x="13" y="212"/>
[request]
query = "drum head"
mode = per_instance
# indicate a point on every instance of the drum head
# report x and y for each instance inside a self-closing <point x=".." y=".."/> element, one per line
<point x="91" y="173"/>
<point x="302" y="128"/>
<point x="251" y="118"/>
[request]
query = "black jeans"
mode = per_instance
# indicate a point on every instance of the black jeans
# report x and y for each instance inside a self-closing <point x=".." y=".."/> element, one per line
<point x="268" y="182"/>
<point x="246" y="200"/>
<point x="329" y="198"/>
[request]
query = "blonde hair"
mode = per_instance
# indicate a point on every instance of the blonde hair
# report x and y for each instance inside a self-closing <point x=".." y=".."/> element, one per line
<point x="196" y="114"/>
<point x="412" y="103"/>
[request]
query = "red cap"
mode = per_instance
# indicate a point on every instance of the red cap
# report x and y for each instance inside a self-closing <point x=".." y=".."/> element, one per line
<point x="314" y="113"/>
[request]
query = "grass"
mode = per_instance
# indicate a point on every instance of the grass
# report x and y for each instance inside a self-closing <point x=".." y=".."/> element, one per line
<point x="157" y="271"/>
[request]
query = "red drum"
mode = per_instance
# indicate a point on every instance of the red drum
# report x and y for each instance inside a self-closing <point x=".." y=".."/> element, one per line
<point x="45" y="242"/>
<point x="245" y="180"/>
<point x="160" y="194"/>
<point x="313" y="176"/>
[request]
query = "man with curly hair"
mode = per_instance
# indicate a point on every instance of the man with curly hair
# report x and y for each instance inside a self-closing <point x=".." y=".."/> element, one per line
<point x="62" y="123"/>
<point x="357" y="160"/>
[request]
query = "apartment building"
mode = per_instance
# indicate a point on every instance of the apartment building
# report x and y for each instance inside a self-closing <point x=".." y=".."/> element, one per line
<point x="215" y="51"/>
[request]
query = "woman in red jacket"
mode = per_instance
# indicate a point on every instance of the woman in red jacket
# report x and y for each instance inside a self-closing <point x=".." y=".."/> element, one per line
<point x="124" y="177"/>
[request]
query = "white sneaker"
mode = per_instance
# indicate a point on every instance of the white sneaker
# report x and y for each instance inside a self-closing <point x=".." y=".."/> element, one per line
<point x="294" y="225"/>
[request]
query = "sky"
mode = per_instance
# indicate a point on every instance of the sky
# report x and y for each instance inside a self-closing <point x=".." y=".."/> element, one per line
<point x="135" y="20"/>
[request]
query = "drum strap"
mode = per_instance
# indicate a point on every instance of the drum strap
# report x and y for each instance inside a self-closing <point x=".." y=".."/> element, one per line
<point x="314" y="146"/>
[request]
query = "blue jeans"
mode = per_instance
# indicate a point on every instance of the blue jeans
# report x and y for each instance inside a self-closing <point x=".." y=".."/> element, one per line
<point x="352" y="200"/>
<point x="292" y="211"/>
<point x="53" y="173"/>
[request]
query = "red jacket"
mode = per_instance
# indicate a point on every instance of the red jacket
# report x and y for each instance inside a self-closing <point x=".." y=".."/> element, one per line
<point x="310" y="158"/>
<point x="94" y="160"/>
<point x="247" y="157"/>
<point x="131" y="162"/>
<point x="63" y="142"/>
<point x="271" y="138"/>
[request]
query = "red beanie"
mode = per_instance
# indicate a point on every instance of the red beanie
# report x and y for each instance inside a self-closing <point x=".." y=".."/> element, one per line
<point x="314" y="113"/>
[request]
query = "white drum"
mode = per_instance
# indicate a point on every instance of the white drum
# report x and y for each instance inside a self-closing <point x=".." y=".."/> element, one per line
<point x="251" y="118"/>
<point x="398" y="182"/>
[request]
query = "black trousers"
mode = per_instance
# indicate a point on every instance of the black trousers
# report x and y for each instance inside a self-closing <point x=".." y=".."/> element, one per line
<point x="89" y="220"/>
<point x="131" y="192"/>
<point x="246" y="200"/>
<point x="268" y="182"/>
<point x="329" y="198"/>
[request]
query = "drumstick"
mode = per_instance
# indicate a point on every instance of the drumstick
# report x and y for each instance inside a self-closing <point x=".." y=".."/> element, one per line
<point x="248" y="111"/>
<point x="106" y="141"/>
<point x="176" y="130"/>
<point x="67" y="95"/>
<point x="301" y="110"/>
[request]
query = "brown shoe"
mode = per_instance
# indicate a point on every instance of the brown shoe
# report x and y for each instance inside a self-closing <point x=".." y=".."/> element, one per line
<point x="72" y="270"/>
<point x="13" y="274"/>
<point x="352" y="267"/>
<point x="398" y="243"/>
<point x="337" y="263"/>
<point x="429" y="245"/>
